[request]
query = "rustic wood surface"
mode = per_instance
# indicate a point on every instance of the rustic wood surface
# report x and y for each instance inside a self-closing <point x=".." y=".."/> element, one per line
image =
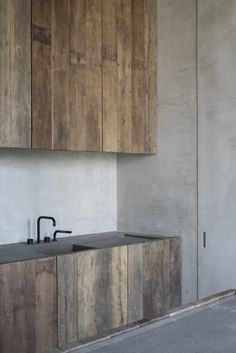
<point x="28" y="306"/>
<point x="67" y="75"/>
<point x="111" y="287"/>
<point x="5" y="70"/>
<point x="15" y="73"/>
<point x="110" y="75"/>
<point x="129" y="76"/>
<point x="98" y="293"/>
<point x="162" y="277"/>
<point x="41" y="74"/>
<point x="135" y="283"/>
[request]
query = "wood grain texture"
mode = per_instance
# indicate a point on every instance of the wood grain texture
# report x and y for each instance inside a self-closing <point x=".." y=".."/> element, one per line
<point x="20" y="131"/>
<point x="156" y="256"/>
<point x="135" y="283"/>
<point x="110" y="75"/>
<point x="28" y="306"/>
<point x="98" y="293"/>
<point x="5" y="101"/>
<point x="138" y="77"/>
<point x="150" y="26"/>
<point x="119" y="284"/>
<point x="41" y="74"/>
<point x="175" y="278"/>
<point x="61" y="73"/>
<point x="124" y="60"/>
<point x="15" y="73"/>
<point x="86" y="75"/>
<point x="67" y="75"/>
<point x="67" y="299"/>
<point x="129" y="76"/>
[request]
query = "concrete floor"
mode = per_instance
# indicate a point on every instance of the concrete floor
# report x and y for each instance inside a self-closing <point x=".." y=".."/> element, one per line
<point x="210" y="329"/>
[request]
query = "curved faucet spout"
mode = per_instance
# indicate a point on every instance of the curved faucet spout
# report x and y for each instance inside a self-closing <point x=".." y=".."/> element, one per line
<point x="38" y="225"/>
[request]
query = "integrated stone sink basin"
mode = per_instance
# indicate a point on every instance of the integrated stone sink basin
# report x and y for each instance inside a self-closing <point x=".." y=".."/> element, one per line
<point x="55" y="249"/>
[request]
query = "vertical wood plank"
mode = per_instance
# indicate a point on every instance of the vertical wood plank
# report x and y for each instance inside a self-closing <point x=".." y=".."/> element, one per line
<point x="41" y="74"/>
<point x="86" y="75"/>
<point x="124" y="76"/>
<point x="135" y="283"/>
<point x="20" y="125"/>
<point x="175" y="273"/>
<point x="61" y="74"/>
<point x="156" y="257"/>
<point x="110" y="72"/>
<point x="46" y="305"/>
<point x="5" y="40"/>
<point x="86" y="295"/>
<point x="119" y="286"/>
<point x="138" y="77"/>
<point x="28" y="306"/>
<point x="67" y="272"/>
<point x="151" y="75"/>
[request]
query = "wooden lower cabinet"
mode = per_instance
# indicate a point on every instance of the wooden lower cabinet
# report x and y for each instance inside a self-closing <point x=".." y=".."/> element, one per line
<point x="28" y="311"/>
<point x="53" y="302"/>
<point x="92" y="293"/>
<point x="100" y="290"/>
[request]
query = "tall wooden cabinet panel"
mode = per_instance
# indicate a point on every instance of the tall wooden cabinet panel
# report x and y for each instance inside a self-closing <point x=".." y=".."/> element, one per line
<point x="129" y="76"/>
<point x="92" y="293"/>
<point x="15" y="73"/>
<point x="67" y="74"/>
<point x="28" y="309"/>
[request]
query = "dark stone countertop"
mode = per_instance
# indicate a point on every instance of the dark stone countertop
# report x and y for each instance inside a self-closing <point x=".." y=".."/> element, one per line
<point x="22" y="251"/>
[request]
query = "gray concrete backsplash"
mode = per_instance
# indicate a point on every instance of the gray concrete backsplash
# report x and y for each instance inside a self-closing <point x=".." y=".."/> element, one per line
<point x="78" y="189"/>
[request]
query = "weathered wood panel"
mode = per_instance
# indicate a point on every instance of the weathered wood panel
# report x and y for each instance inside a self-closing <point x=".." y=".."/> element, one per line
<point x="175" y="278"/>
<point x="98" y="293"/>
<point x="67" y="75"/>
<point x="124" y="60"/>
<point x="150" y="26"/>
<point x="86" y="75"/>
<point x="20" y="131"/>
<point x="135" y="283"/>
<point x="118" y="286"/>
<point x="110" y="75"/>
<point x="5" y="107"/>
<point x="15" y="73"/>
<point x="41" y="74"/>
<point x="129" y="76"/>
<point x="28" y="306"/>
<point x="67" y="283"/>
<point x="61" y="74"/>
<point x="156" y="288"/>
<point x="138" y="77"/>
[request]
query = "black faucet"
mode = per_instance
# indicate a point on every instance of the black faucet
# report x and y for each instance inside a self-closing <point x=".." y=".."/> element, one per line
<point x="60" y="231"/>
<point x="38" y="225"/>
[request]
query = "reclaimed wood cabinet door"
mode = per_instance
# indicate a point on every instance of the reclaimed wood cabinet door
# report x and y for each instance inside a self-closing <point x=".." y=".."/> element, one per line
<point x="129" y="45"/>
<point x="15" y="73"/>
<point x="28" y="311"/>
<point x="154" y="278"/>
<point x="67" y="74"/>
<point x="92" y="293"/>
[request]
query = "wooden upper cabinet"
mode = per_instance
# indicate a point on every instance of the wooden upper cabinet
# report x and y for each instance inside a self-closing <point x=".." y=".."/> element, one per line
<point x="67" y="74"/>
<point x="15" y="73"/>
<point x="78" y="75"/>
<point x="129" y="76"/>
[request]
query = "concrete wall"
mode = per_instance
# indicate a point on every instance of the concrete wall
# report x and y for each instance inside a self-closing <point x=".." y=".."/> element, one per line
<point x="159" y="193"/>
<point x="217" y="144"/>
<point x="78" y="189"/>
